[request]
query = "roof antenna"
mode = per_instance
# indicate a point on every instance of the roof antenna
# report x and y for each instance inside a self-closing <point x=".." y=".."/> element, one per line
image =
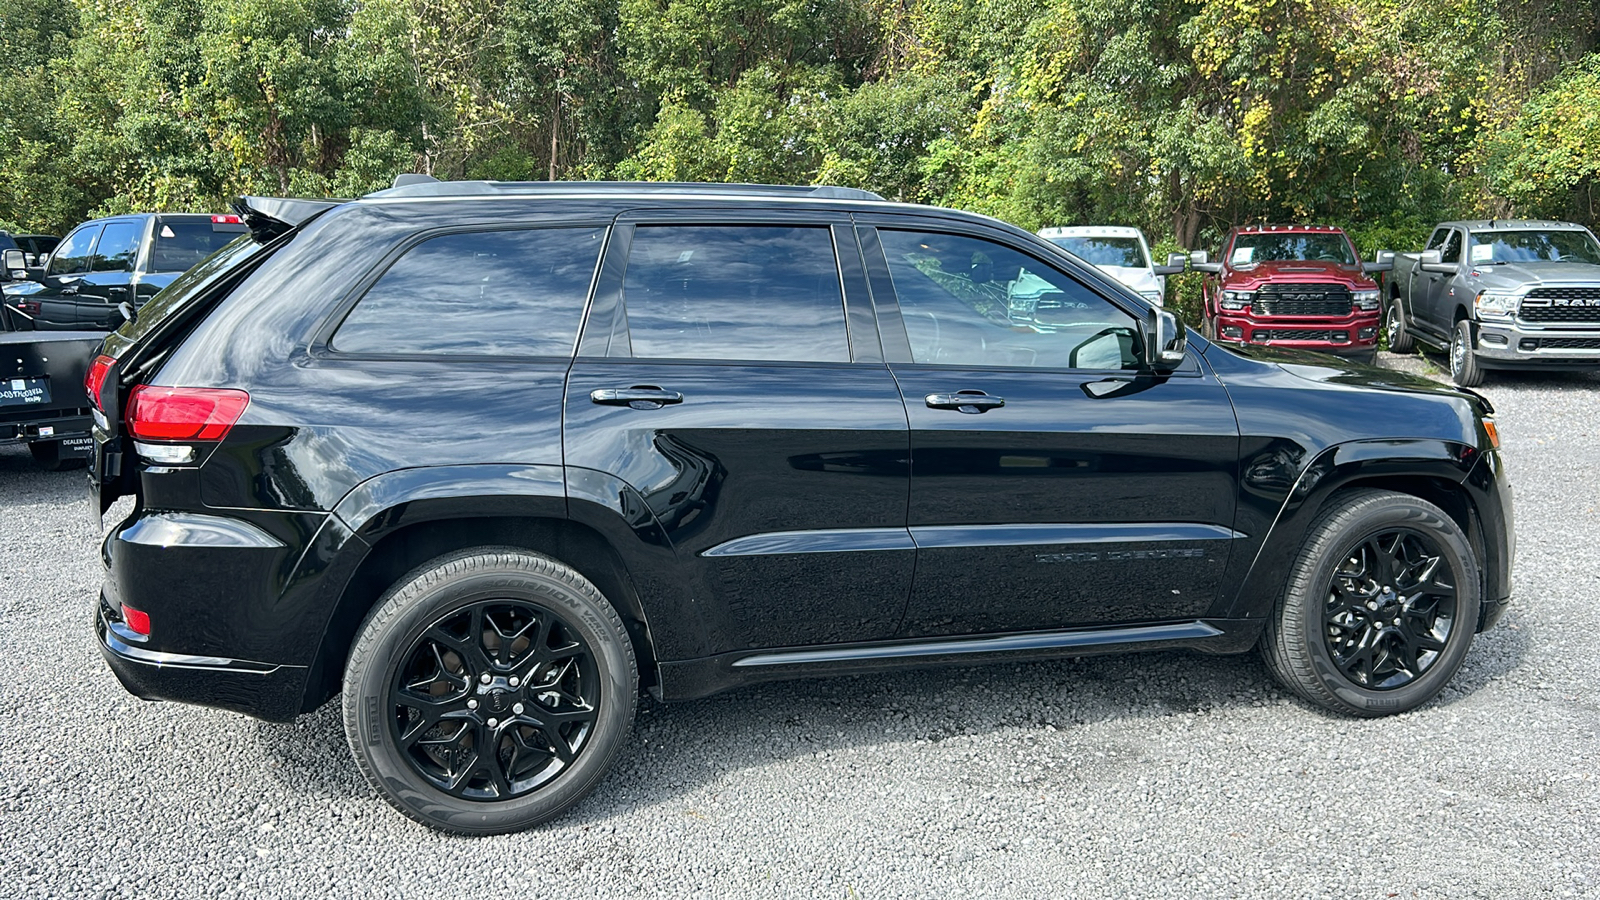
<point x="408" y="178"/>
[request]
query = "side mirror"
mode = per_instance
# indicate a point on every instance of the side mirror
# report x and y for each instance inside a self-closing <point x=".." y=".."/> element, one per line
<point x="1382" y="261"/>
<point x="1429" y="262"/>
<point x="1166" y="338"/>
<point x="14" y="264"/>
<point x="1199" y="261"/>
<point x="1176" y="263"/>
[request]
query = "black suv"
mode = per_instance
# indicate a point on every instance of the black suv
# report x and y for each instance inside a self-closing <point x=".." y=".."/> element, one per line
<point x="488" y="459"/>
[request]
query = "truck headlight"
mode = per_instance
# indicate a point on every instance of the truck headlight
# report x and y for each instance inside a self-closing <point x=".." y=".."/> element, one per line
<point x="1367" y="301"/>
<point x="1236" y="300"/>
<point x="1496" y="306"/>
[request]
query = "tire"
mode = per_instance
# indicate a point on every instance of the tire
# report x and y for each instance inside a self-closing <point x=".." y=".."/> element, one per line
<point x="1327" y="643"/>
<point x="1464" y="369"/>
<point x="49" y="457"/>
<point x="562" y="688"/>
<point x="1394" y="327"/>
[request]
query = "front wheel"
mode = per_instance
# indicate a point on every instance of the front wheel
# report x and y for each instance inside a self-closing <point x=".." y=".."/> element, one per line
<point x="1379" y="609"/>
<point x="1394" y="328"/>
<point x="1464" y="368"/>
<point x="489" y="691"/>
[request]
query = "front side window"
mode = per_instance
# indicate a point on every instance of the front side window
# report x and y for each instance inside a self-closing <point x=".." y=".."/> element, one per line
<point x="1249" y="249"/>
<point x="72" y="255"/>
<point x="1452" y="248"/>
<point x="971" y="302"/>
<point x="748" y="292"/>
<point x="119" y="244"/>
<point x="496" y="293"/>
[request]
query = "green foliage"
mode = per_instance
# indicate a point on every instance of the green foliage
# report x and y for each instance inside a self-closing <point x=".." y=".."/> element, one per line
<point x="1182" y="117"/>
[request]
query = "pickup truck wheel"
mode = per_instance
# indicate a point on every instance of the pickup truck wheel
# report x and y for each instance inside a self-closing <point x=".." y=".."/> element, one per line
<point x="1394" y="328"/>
<point x="1379" y="609"/>
<point x="49" y="456"/>
<point x="1464" y="368"/>
<point x="489" y="691"/>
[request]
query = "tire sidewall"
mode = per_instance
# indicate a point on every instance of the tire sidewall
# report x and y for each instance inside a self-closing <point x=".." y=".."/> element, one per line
<point x="1458" y="554"/>
<point x="387" y="640"/>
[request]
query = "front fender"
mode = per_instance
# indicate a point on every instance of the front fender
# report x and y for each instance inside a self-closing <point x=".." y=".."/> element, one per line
<point x="1419" y="464"/>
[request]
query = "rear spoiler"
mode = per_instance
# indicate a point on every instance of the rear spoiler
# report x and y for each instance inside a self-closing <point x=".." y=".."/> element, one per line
<point x="268" y="217"/>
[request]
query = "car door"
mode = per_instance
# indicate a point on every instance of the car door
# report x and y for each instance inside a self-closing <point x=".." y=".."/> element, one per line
<point x="56" y="306"/>
<point x="1052" y="484"/>
<point x="1439" y="314"/>
<point x="731" y="380"/>
<point x="108" y="281"/>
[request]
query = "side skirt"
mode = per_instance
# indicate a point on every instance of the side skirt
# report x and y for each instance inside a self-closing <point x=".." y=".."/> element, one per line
<point x="695" y="678"/>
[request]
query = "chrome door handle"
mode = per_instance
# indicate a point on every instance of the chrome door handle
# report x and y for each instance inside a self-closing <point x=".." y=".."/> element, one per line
<point x="972" y="402"/>
<point x="636" y="397"/>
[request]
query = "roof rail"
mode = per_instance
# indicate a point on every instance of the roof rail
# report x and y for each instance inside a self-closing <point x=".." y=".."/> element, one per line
<point x="409" y="187"/>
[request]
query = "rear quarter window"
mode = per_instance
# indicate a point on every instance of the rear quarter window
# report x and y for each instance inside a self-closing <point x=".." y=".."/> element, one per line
<point x="179" y="245"/>
<point x="496" y="293"/>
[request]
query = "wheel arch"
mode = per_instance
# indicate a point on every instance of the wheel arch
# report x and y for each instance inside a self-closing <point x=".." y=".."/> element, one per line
<point x="1432" y="470"/>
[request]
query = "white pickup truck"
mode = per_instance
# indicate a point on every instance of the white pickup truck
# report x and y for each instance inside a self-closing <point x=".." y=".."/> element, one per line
<point x="1121" y="252"/>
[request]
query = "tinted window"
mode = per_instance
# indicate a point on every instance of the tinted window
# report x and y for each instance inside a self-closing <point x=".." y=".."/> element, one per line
<point x="119" y="244"/>
<point x="1278" y="247"/>
<point x="1535" y="246"/>
<point x="735" y="292"/>
<point x="972" y="302"/>
<point x="179" y="245"/>
<point x="72" y="255"/>
<point x="1452" y="248"/>
<point x="502" y="293"/>
<point x="1125" y="252"/>
<point x="1439" y="237"/>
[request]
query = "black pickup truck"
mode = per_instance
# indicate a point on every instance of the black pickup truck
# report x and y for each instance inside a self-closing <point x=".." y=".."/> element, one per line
<point x="52" y="325"/>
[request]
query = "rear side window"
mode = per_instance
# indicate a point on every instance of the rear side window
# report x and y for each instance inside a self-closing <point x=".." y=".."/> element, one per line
<point x="751" y="292"/>
<point x="180" y="244"/>
<point x="497" y="293"/>
<point x="119" y="244"/>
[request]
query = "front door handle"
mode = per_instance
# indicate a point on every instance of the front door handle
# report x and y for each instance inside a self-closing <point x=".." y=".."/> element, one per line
<point x="640" y="396"/>
<point x="965" y="401"/>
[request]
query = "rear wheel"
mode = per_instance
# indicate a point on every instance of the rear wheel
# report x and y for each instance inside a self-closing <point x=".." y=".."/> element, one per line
<point x="489" y="691"/>
<point x="1464" y="369"/>
<point x="1394" y="327"/>
<point x="1380" y="608"/>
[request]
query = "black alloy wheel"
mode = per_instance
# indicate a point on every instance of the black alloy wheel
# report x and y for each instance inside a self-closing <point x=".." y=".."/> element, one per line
<point x="1379" y="608"/>
<point x="489" y="690"/>
<point x="494" y="700"/>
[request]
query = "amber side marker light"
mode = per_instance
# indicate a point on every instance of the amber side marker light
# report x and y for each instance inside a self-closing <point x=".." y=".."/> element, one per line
<point x="1494" y="433"/>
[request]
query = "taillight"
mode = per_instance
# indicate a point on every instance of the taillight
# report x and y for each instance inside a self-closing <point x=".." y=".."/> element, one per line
<point x="95" y="380"/>
<point x="184" y="414"/>
<point x="137" y="622"/>
<point x="226" y="220"/>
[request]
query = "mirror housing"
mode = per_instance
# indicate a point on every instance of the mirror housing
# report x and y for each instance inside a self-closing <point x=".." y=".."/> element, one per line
<point x="14" y="265"/>
<point x="1428" y="261"/>
<point x="1176" y="263"/>
<point x="1199" y="261"/>
<point x="1166" y="340"/>
<point x="1382" y="261"/>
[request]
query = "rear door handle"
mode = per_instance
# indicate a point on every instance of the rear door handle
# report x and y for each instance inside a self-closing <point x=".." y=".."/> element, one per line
<point x="643" y="396"/>
<point x="965" y="401"/>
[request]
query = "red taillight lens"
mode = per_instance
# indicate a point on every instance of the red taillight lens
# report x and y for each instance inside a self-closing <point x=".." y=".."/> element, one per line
<point x="184" y="414"/>
<point x="138" y="622"/>
<point x="95" y="379"/>
<point x="225" y="220"/>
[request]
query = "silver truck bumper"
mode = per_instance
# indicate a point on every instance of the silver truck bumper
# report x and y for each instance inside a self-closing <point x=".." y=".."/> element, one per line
<point x="1513" y="342"/>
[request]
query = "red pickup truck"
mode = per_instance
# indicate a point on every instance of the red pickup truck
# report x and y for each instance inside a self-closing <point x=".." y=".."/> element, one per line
<point x="1300" y="286"/>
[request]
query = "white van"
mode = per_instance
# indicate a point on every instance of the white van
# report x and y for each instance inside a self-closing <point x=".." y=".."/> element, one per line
<point x="1121" y="252"/>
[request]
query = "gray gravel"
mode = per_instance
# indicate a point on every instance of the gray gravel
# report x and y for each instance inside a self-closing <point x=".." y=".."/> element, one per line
<point x="1163" y="775"/>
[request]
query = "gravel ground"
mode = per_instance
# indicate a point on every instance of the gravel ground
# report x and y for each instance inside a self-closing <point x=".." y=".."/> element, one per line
<point x="1166" y="775"/>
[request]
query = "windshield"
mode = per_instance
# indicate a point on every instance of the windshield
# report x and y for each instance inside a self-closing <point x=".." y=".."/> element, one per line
<point x="1126" y="252"/>
<point x="191" y="283"/>
<point x="1249" y="249"/>
<point x="1534" y="246"/>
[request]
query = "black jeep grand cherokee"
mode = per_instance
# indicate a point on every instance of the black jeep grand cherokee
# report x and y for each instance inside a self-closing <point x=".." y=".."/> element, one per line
<point x="489" y="458"/>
